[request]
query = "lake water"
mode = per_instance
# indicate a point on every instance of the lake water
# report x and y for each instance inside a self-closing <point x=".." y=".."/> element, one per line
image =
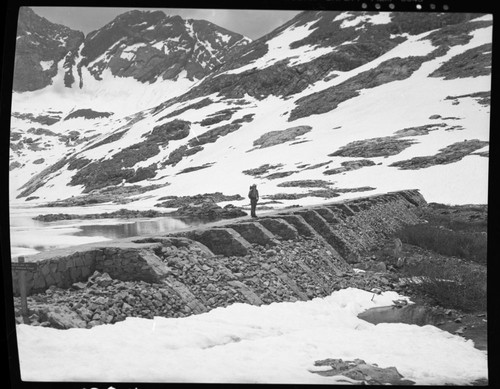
<point x="29" y="236"/>
<point x="409" y="314"/>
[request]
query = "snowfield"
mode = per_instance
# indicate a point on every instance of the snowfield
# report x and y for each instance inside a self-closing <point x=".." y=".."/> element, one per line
<point x="276" y="343"/>
<point x="376" y="112"/>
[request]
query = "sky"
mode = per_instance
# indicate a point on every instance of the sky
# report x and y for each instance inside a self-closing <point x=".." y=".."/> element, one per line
<point x="251" y="23"/>
<point x="276" y="343"/>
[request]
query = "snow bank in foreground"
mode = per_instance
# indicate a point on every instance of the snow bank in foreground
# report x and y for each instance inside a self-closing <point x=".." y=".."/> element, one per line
<point x="276" y="343"/>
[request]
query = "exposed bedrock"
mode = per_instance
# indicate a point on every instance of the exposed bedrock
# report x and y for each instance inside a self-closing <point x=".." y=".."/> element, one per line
<point x="290" y="255"/>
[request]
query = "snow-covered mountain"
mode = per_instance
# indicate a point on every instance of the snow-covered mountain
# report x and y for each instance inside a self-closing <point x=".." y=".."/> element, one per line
<point x="331" y="104"/>
<point x="144" y="45"/>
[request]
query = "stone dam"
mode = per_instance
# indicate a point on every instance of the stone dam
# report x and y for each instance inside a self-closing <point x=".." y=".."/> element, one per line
<point x="288" y="255"/>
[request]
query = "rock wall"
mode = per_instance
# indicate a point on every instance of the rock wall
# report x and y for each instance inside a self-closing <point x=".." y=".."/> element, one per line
<point x="291" y="255"/>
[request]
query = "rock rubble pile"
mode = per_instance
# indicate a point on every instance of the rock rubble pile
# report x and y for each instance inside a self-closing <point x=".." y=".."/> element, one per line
<point x="198" y="283"/>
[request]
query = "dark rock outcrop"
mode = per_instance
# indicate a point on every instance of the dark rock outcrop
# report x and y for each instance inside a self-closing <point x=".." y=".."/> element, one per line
<point x="213" y="134"/>
<point x="375" y="147"/>
<point x="306" y="184"/>
<point x="452" y="153"/>
<point x="114" y="170"/>
<point x="177" y="202"/>
<point x="362" y="372"/>
<point x="217" y="117"/>
<point x="117" y="195"/>
<point x="40" y="46"/>
<point x="472" y="63"/>
<point x="273" y="138"/>
<point x="328" y="99"/>
<point x="173" y="130"/>
<point x="208" y="211"/>
<point x="120" y="214"/>
<point x="87" y="114"/>
<point x="178" y="154"/>
<point x="349" y="165"/>
<point x="483" y="98"/>
<point x="263" y="169"/>
<point x="459" y="31"/>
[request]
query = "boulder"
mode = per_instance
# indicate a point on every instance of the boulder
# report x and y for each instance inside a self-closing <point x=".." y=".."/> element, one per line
<point x="103" y="280"/>
<point x="374" y="266"/>
<point x="359" y="370"/>
<point x="60" y="317"/>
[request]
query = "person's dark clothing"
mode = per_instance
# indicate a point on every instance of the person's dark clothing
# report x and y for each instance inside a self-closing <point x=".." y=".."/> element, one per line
<point x="253" y="204"/>
<point x="253" y="194"/>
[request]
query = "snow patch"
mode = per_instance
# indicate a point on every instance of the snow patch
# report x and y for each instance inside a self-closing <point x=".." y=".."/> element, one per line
<point x="342" y="16"/>
<point x="46" y="65"/>
<point x="276" y="343"/>
<point x="380" y="18"/>
<point x="223" y="37"/>
<point x="279" y="49"/>
<point x="130" y="52"/>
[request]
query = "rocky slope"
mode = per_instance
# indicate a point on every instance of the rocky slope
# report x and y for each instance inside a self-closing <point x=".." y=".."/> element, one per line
<point x="40" y="47"/>
<point x="142" y="45"/>
<point x="303" y="101"/>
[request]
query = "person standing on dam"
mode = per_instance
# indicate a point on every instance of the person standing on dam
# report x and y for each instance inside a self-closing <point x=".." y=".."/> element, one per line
<point x="253" y="195"/>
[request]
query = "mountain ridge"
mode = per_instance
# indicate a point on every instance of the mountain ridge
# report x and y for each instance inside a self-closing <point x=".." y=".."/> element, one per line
<point x="329" y="72"/>
<point x="145" y="45"/>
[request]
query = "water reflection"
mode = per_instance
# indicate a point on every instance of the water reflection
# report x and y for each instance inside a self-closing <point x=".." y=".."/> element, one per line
<point x="410" y="314"/>
<point x="136" y="228"/>
<point x="30" y="237"/>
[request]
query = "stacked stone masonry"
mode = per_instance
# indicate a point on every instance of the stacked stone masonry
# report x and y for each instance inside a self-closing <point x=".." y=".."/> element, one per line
<point x="291" y="255"/>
